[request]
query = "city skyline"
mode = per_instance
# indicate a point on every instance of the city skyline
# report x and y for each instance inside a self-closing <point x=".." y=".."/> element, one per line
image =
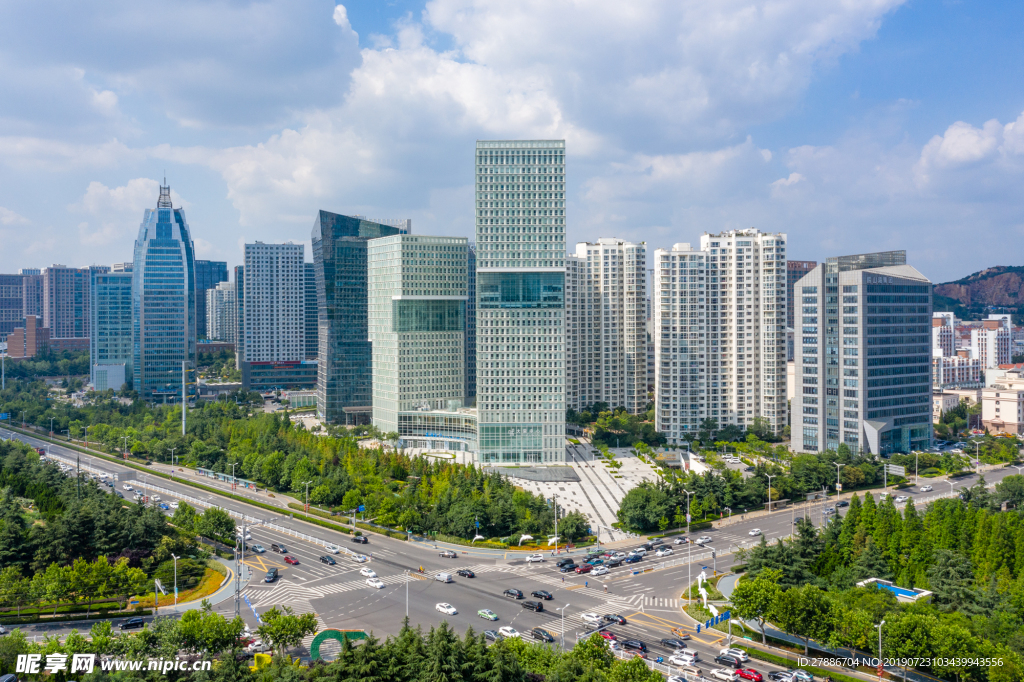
<point x="793" y="123"/>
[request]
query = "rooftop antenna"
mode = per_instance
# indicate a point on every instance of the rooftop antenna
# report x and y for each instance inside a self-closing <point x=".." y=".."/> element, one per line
<point x="165" y="194"/>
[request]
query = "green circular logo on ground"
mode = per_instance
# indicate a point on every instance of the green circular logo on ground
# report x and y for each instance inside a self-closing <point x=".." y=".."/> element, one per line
<point x="337" y="635"/>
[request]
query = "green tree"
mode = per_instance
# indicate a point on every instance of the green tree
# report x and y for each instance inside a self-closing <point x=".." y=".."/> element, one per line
<point x="185" y="517"/>
<point x="951" y="579"/>
<point x="215" y="523"/>
<point x="803" y="612"/>
<point x="643" y="506"/>
<point x="282" y="629"/>
<point x="632" y="670"/>
<point x="205" y="631"/>
<point x="754" y="599"/>
<point x="573" y="525"/>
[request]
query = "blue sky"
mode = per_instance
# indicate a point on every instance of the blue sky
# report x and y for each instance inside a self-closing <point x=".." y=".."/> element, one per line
<point x="851" y="126"/>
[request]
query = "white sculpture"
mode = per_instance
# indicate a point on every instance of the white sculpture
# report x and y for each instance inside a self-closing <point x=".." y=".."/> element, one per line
<point x="704" y="596"/>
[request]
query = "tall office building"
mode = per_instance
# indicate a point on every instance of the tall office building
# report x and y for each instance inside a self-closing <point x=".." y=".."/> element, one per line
<point x="747" y="320"/>
<point x="163" y="302"/>
<point x="520" y="237"/>
<point x="110" y="329"/>
<point x="470" y="398"/>
<point x="239" y="315"/>
<point x="684" y="396"/>
<point x="275" y="302"/>
<point x="66" y="301"/>
<point x="417" y="318"/>
<point x="32" y="293"/>
<point x="864" y="358"/>
<point x="795" y="269"/>
<point x="222" y="312"/>
<point x="209" y="273"/>
<point x="12" y="307"/>
<point x="612" y="303"/>
<point x="344" y="363"/>
<point x="575" y="270"/>
<point x="310" y="311"/>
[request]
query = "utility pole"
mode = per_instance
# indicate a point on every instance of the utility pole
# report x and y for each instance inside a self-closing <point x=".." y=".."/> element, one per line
<point x="3" y="371"/>
<point x="175" y="579"/>
<point x="78" y="459"/>
<point x="688" y="493"/>
<point x="554" y="502"/>
<point x="307" y="490"/>
<point x="233" y="465"/>
<point x="881" y="664"/>
<point x="770" y="491"/>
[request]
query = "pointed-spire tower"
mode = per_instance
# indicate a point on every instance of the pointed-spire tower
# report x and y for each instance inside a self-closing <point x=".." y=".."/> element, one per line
<point x="165" y="196"/>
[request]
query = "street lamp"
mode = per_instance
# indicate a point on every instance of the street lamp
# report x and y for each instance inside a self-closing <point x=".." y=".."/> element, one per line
<point x="175" y="579"/>
<point x="770" y="491"/>
<point x="881" y="664"/>
<point x="838" y="484"/>
<point x="233" y="465"/>
<point x="51" y="427"/>
<point x="307" y="496"/>
<point x="563" y="623"/>
<point x="688" y="493"/>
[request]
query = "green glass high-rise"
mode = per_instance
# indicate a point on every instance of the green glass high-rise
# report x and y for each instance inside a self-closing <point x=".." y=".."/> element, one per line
<point x="344" y="362"/>
<point x="417" y="320"/>
<point x="520" y="300"/>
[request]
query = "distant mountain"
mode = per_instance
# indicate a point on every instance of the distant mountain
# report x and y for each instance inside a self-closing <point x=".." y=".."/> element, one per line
<point x="1001" y="286"/>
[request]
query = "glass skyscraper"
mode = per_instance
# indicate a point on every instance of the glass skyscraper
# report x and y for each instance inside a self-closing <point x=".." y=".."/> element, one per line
<point x="344" y="379"/>
<point x="417" y="323"/>
<point x="520" y="297"/>
<point x="110" y="328"/>
<point x="209" y="273"/>
<point x="163" y="302"/>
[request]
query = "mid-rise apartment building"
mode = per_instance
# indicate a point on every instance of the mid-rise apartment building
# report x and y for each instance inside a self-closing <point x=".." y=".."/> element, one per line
<point x="610" y="352"/>
<point x="345" y="357"/>
<point x="275" y="302"/>
<point x="222" y="312"/>
<point x="470" y="399"/>
<point x="944" y="333"/>
<point x="961" y="370"/>
<point x="574" y="277"/>
<point x="520" y="238"/>
<point x="682" y="392"/>
<point x="32" y="291"/>
<point x="110" y="329"/>
<point x="417" y="288"/>
<point x="864" y="356"/>
<point x="747" y="326"/>
<point x="992" y="342"/>
<point x="66" y="301"/>
<point x="29" y="339"/>
<point x="1002" y="404"/>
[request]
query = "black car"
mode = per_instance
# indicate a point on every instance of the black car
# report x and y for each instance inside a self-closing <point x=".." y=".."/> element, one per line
<point x="542" y="594"/>
<point x="564" y="562"/>
<point x="843" y="503"/>
<point x="780" y="675"/>
<point x="492" y="636"/>
<point x="542" y="634"/>
<point x="613" y="563"/>
<point x="656" y="541"/>
<point x="729" y="660"/>
<point x="465" y="573"/>
<point x="131" y="624"/>
<point x="280" y="549"/>
<point x="513" y="593"/>
<point x="614" y="618"/>
<point x="361" y="539"/>
<point x="118" y="493"/>
<point x="447" y="554"/>
<point x="634" y="644"/>
<point x="567" y="568"/>
<point x="674" y="643"/>
<point x="797" y="520"/>
<point x="329" y="560"/>
<point x="271" y="575"/>
<point x="533" y="605"/>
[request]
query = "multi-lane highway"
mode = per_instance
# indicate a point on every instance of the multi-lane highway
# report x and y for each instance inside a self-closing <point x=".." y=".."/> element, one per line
<point x="341" y="598"/>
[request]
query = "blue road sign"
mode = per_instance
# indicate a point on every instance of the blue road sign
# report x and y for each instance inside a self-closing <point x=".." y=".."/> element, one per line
<point x="5" y="415"/>
<point x="361" y="508"/>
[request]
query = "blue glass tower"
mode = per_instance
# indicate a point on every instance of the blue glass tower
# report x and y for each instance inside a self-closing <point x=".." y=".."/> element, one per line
<point x="163" y="302"/>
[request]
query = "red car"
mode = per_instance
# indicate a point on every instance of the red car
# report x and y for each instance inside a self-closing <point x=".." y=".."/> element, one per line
<point x="749" y="674"/>
<point x="584" y="568"/>
<point x="608" y="635"/>
<point x="289" y="559"/>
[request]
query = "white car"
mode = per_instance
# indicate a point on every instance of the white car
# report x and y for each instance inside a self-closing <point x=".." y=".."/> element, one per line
<point x="155" y="498"/>
<point x="638" y="552"/>
<point x="619" y="555"/>
<point x="258" y="549"/>
<point x="926" y="488"/>
<point x="173" y="505"/>
<point x="376" y="582"/>
<point x="534" y="557"/>
<point x="127" y="487"/>
<point x="367" y="571"/>
<point x="680" y="541"/>
<point x="257" y="647"/>
<point x="445" y="607"/>
<point x="600" y="570"/>
<point x="684" y="658"/>
<point x="591" y="619"/>
<point x="359" y="559"/>
<point x="333" y="549"/>
<point x="901" y="498"/>
<point x="664" y="551"/>
<point x="723" y="674"/>
<point x="508" y="631"/>
<point x="755" y="531"/>
<point x="703" y="539"/>
<point x="738" y="653"/>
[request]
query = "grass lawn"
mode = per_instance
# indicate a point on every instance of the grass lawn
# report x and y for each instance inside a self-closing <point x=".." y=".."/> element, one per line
<point x="207" y="586"/>
<point x="709" y="586"/>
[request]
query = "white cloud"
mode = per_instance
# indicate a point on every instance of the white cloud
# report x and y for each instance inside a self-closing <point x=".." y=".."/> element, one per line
<point x="117" y="211"/>
<point x="9" y="217"/>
